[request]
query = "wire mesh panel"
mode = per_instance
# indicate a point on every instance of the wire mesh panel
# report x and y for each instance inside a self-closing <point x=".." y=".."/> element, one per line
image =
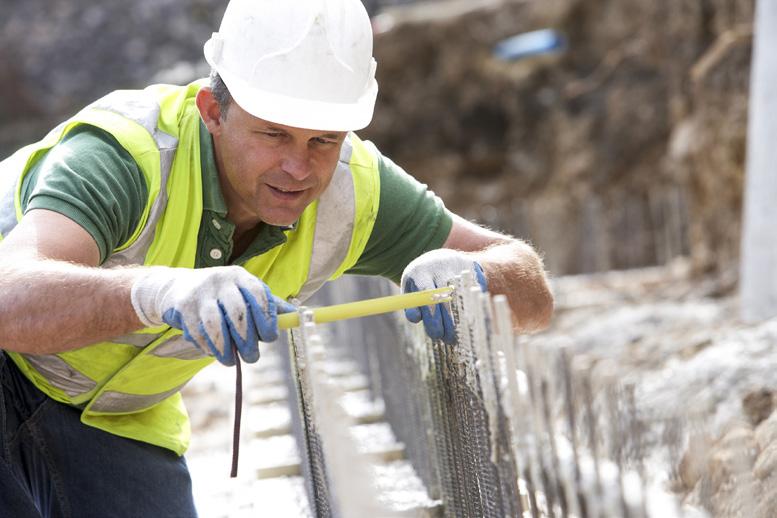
<point x="443" y="402"/>
<point x="385" y="347"/>
<point x="339" y="478"/>
<point x="497" y="428"/>
<point x="304" y="424"/>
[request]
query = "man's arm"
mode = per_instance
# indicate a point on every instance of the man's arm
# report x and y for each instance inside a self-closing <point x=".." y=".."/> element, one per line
<point x="512" y="268"/>
<point x="408" y="245"/>
<point x="52" y="298"/>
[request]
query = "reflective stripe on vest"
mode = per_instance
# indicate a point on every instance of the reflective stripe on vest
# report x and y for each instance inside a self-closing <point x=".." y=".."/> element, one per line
<point x="61" y="375"/>
<point x="179" y="348"/>
<point x="334" y="226"/>
<point x="123" y="403"/>
<point x="144" y="109"/>
<point x="75" y="384"/>
<point x="139" y="339"/>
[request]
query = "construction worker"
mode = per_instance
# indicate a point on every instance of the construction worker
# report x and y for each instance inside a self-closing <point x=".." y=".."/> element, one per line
<point x="160" y="229"/>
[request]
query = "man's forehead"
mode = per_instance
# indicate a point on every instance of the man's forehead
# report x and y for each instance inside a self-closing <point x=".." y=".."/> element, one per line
<point x="294" y="130"/>
<point x="265" y="125"/>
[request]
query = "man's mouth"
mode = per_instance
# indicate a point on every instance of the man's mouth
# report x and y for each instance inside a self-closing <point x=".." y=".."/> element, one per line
<point x="286" y="194"/>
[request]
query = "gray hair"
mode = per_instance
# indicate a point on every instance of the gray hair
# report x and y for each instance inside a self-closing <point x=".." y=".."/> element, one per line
<point x="220" y="93"/>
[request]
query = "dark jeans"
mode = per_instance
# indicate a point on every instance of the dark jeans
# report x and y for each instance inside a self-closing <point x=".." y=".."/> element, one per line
<point x="53" y="466"/>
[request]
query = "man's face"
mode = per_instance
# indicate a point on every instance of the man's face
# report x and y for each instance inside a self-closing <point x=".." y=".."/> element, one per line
<point x="270" y="172"/>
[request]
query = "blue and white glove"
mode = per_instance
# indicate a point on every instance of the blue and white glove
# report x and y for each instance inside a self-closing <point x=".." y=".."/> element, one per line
<point x="214" y="307"/>
<point x="436" y="269"/>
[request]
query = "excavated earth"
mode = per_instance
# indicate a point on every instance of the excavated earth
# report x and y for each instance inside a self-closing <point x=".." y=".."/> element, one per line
<point x="625" y="150"/>
<point x="694" y="363"/>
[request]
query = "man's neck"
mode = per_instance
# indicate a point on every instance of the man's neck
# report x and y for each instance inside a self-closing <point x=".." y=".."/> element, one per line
<point x="243" y="237"/>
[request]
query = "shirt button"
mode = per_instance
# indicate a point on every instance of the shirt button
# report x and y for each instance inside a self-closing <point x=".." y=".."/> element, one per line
<point x="216" y="254"/>
<point x="216" y="224"/>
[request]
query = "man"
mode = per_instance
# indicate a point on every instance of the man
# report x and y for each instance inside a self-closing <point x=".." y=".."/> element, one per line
<point x="159" y="229"/>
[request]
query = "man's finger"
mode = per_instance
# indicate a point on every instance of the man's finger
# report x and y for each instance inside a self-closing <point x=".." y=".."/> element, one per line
<point x="413" y="315"/>
<point x="432" y="322"/>
<point x="247" y="345"/>
<point x="218" y="343"/>
<point x="284" y="306"/>
<point x="480" y="276"/>
<point x="264" y="313"/>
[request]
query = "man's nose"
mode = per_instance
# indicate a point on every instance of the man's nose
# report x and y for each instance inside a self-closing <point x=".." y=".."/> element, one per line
<point x="296" y="163"/>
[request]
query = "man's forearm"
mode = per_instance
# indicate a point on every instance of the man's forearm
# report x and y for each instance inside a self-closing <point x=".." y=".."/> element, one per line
<point x="514" y="269"/>
<point x="51" y="306"/>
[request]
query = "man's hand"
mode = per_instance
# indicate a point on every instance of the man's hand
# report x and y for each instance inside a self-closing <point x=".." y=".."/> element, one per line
<point x="437" y="269"/>
<point x="214" y="307"/>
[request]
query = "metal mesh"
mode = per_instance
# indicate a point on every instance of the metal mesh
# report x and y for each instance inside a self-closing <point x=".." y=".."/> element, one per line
<point x="339" y="478"/>
<point x="436" y="402"/>
<point x="492" y="427"/>
<point x="304" y="426"/>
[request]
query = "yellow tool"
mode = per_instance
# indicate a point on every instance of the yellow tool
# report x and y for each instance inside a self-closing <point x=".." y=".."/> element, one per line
<point x="365" y="308"/>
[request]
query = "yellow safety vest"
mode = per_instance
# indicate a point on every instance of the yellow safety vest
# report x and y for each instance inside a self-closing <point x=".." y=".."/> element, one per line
<point x="129" y="386"/>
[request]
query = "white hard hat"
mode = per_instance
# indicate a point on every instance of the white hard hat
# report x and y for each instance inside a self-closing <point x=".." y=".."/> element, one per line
<point x="301" y="63"/>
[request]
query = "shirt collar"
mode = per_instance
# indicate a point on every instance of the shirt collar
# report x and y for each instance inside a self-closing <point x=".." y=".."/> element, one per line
<point x="212" y="198"/>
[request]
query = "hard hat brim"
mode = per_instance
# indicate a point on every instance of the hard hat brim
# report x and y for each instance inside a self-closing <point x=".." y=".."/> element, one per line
<point x="295" y="112"/>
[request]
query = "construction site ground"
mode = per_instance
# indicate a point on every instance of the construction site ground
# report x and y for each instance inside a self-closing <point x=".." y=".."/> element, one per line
<point x="270" y="481"/>
<point x="678" y="339"/>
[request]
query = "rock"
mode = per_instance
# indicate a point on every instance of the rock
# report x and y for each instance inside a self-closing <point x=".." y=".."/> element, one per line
<point x="709" y="469"/>
<point x="766" y="462"/>
<point x="725" y="464"/>
<point x="738" y="498"/>
<point x="758" y="405"/>
<point x="733" y="432"/>
<point x="766" y="433"/>
<point x="740" y="441"/>
<point x="694" y="462"/>
<point x="767" y="503"/>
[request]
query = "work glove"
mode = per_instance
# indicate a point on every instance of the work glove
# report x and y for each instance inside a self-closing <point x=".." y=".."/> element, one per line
<point x="214" y="307"/>
<point x="436" y="269"/>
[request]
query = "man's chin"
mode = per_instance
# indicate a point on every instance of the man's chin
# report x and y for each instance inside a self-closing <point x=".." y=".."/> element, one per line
<point x="281" y="220"/>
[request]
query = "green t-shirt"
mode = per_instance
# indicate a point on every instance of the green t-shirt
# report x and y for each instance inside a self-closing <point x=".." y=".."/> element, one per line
<point x="92" y="180"/>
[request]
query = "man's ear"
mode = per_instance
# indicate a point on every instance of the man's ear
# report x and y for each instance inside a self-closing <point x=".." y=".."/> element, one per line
<point x="210" y="112"/>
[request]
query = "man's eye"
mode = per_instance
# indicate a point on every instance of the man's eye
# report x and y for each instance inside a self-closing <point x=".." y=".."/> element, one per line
<point x="322" y="140"/>
<point x="272" y="134"/>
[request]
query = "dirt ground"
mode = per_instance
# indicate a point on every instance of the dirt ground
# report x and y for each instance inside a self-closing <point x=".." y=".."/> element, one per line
<point x="692" y="360"/>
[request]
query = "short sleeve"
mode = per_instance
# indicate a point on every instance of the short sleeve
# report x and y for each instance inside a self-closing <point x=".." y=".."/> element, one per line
<point x="90" y="178"/>
<point x="411" y="220"/>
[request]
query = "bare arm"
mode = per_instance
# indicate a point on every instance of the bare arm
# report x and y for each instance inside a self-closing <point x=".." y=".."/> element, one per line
<point x="512" y="268"/>
<point x="52" y="296"/>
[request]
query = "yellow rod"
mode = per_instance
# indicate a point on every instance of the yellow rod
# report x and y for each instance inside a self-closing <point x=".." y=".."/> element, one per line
<point x="365" y="308"/>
